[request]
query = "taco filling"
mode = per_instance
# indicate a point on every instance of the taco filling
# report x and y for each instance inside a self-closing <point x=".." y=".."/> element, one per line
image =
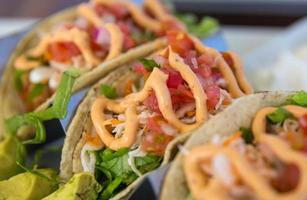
<point x="289" y="122"/>
<point x="267" y="162"/>
<point x="180" y="87"/>
<point x="101" y="31"/>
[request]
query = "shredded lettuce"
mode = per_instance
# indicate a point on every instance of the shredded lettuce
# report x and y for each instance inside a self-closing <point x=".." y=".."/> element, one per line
<point x="149" y="64"/>
<point x="35" y="119"/>
<point x="18" y="79"/>
<point x="36" y="91"/>
<point x="114" y="172"/>
<point x="278" y="116"/>
<point x="108" y="91"/>
<point x="299" y="99"/>
<point x="247" y="135"/>
<point x="206" y="27"/>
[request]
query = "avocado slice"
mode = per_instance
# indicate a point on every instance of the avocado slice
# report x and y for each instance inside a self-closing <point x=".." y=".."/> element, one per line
<point x="82" y="186"/>
<point x="8" y="167"/>
<point x="28" y="186"/>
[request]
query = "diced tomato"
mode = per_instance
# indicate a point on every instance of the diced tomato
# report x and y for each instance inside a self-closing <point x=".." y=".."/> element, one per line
<point x="206" y="59"/>
<point x="303" y="123"/>
<point x="151" y="103"/>
<point x="181" y="95"/>
<point x="170" y="24"/>
<point x="190" y="58"/>
<point x="153" y="125"/>
<point x="63" y="51"/>
<point x="119" y="11"/>
<point x="203" y="70"/>
<point x="174" y="78"/>
<point x="287" y="179"/>
<point x="129" y="42"/>
<point x="124" y="27"/>
<point x="101" y="9"/>
<point x="180" y="42"/>
<point x="213" y="95"/>
<point x="99" y="49"/>
<point x="305" y="145"/>
<point x="139" y="68"/>
<point x="154" y="140"/>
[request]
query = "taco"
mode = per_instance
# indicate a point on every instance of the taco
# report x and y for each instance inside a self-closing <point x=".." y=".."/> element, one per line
<point x="255" y="149"/>
<point x="128" y="120"/>
<point x="94" y="37"/>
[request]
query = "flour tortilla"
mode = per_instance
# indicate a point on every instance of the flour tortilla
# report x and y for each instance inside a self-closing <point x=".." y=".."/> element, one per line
<point x="12" y="104"/>
<point x="239" y="114"/>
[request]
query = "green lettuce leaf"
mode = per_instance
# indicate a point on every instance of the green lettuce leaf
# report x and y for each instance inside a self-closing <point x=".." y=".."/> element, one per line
<point x="108" y="91"/>
<point x="299" y="99"/>
<point x="149" y="64"/>
<point x="206" y="27"/>
<point x="247" y="135"/>
<point x="117" y="173"/>
<point x="278" y="116"/>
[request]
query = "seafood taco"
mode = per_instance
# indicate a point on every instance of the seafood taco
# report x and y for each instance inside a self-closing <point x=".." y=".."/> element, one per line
<point x="255" y="149"/>
<point x="94" y="37"/>
<point x="129" y="120"/>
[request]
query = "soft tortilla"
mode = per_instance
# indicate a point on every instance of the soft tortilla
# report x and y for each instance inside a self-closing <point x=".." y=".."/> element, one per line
<point x="239" y="114"/>
<point x="11" y="103"/>
<point x="81" y="123"/>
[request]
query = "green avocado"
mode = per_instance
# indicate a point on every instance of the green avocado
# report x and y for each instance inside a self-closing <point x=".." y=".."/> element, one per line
<point x="8" y="166"/>
<point x="82" y="186"/>
<point x="28" y="186"/>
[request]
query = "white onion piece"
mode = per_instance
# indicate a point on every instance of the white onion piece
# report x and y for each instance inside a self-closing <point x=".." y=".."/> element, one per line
<point x="40" y="74"/>
<point x="81" y="22"/>
<point x="88" y="160"/>
<point x="103" y="36"/>
<point x="168" y="129"/>
<point x="222" y="170"/>
<point x="108" y="19"/>
<point x="59" y="66"/>
<point x="54" y="80"/>
<point x="160" y="60"/>
<point x="131" y="155"/>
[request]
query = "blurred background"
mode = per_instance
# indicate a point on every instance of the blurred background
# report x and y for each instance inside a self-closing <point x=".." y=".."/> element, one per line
<point x="246" y="21"/>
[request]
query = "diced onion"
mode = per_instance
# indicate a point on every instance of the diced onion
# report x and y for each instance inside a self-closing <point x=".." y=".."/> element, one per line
<point x="221" y="168"/>
<point x="88" y="160"/>
<point x="103" y="36"/>
<point x="40" y="74"/>
<point x="131" y="155"/>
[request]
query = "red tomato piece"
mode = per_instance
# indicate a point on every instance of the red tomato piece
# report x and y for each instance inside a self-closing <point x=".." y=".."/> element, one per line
<point x="154" y="140"/>
<point x="213" y="95"/>
<point x="119" y="11"/>
<point x="303" y="123"/>
<point x="62" y="51"/>
<point x="101" y="10"/>
<point x="139" y="68"/>
<point x="180" y="42"/>
<point x="170" y="24"/>
<point x="93" y="32"/>
<point x="203" y="70"/>
<point x="190" y="59"/>
<point x="287" y="179"/>
<point x="151" y="103"/>
<point x="206" y="60"/>
<point x="129" y="42"/>
<point x="174" y="78"/>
